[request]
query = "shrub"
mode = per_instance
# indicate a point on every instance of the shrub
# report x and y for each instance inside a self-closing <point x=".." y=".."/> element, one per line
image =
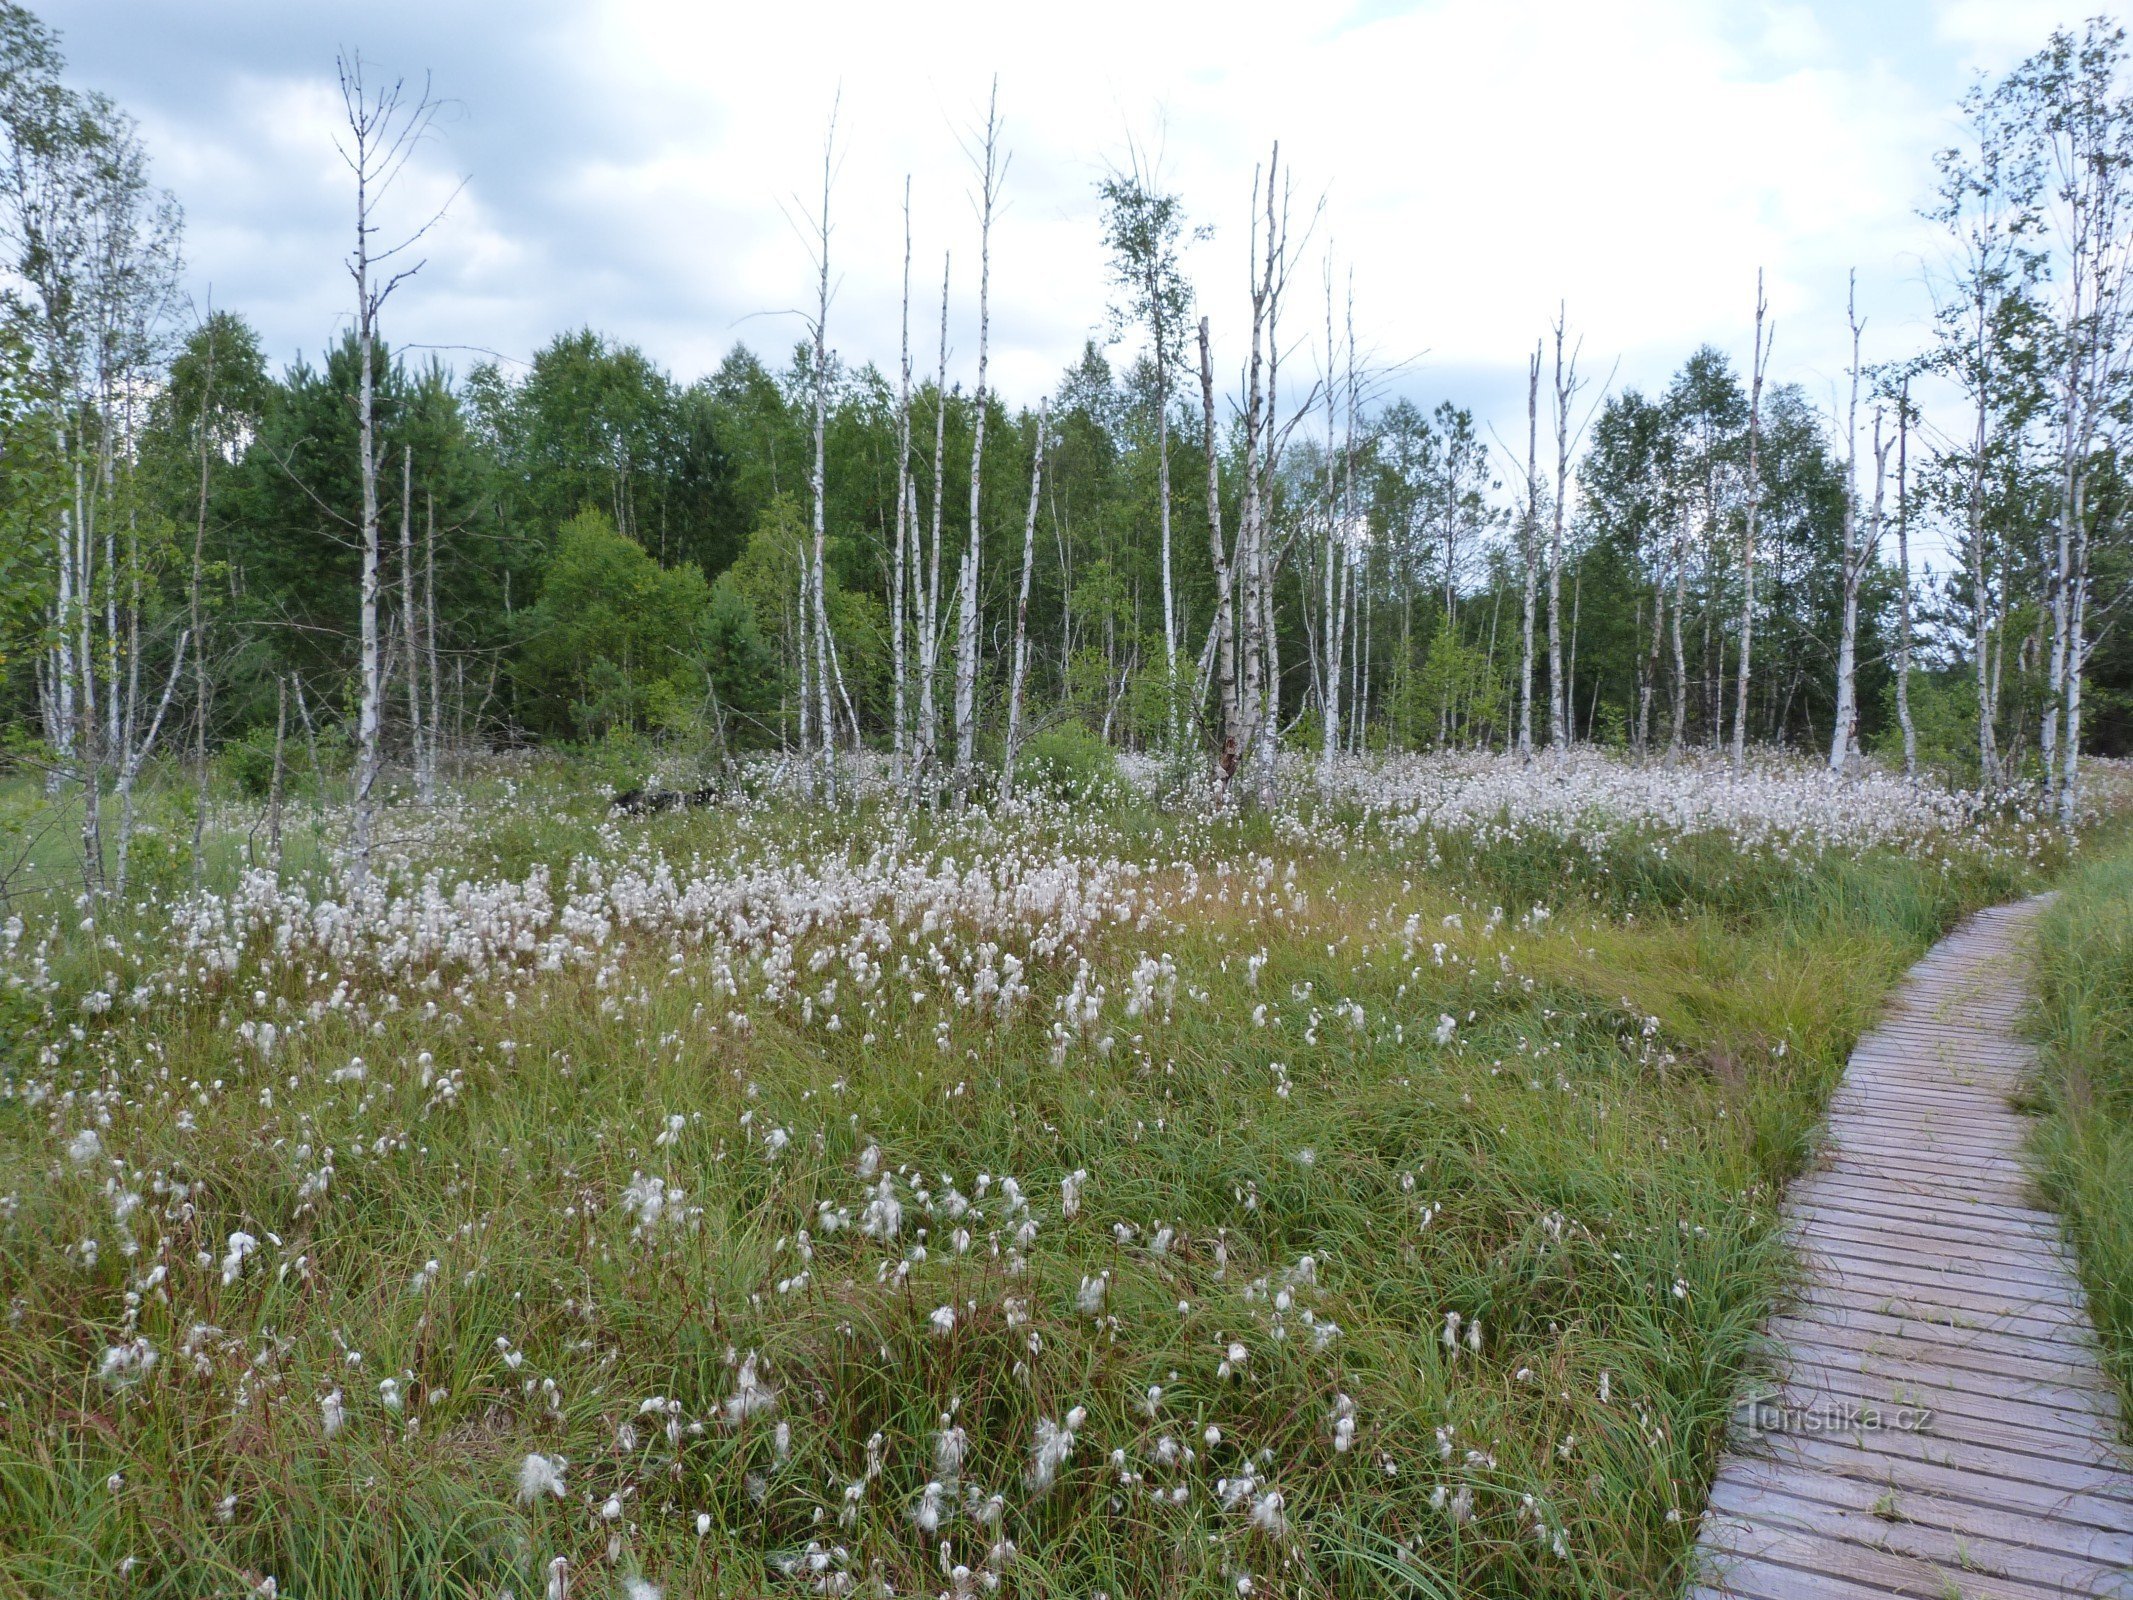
<point x="1072" y="761"/>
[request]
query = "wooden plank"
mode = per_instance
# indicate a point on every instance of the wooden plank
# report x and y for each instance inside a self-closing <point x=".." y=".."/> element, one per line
<point x="1922" y="1508"/>
<point x="1887" y="1572"/>
<point x="1918" y="1475"/>
<point x="1931" y="1281"/>
<point x="1970" y="1549"/>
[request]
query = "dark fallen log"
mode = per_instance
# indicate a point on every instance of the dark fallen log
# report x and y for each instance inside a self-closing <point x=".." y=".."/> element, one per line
<point x="649" y="802"/>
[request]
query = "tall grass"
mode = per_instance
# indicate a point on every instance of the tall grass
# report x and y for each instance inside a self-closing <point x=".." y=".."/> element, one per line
<point x="1387" y="1094"/>
<point x="2084" y="1142"/>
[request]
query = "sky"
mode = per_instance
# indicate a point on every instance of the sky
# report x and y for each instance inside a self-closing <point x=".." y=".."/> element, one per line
<point x="650" y="168"/>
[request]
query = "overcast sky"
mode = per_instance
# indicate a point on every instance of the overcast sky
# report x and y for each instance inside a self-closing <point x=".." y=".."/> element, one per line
<point x="636" y="165"/>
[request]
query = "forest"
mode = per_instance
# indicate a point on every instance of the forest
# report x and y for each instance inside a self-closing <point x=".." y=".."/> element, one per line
<point x="1228" y="978"/>
<point x="797" y="553"/>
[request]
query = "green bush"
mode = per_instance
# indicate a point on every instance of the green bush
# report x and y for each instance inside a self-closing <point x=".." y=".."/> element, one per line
<point x="248" y="763"/>
<point x="1071" y="761"/>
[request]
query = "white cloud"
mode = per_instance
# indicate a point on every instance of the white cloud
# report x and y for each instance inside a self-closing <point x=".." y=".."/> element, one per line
<point x="1480" y="160"/>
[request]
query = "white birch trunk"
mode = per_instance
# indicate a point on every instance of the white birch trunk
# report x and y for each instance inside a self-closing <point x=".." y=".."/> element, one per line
<point x="1529" y="555"/>
<point x="899" y="582"/>
<point x="817" y="572"/>
<point x="1747" y="542"/>
<point x="929" y="643"/>
<point x="1019" y="673"/>
<point x="1903" y="575"/>
<point x="1845" y="721"/>
<point x="967" y="632"/>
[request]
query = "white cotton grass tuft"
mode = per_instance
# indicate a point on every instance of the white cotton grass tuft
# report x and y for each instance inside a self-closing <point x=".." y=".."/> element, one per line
<point x="751" y="1396"/>
<point x="932" y="1508"/>
<point x="639" y="1589"/>
<point x="84" y="1147"/>
<point x="1267" y="1514"/>
<point x="1054" y="1442"/>
<point x="1343" y="1424"/>
<point x="540" y="1475"/>
<point x="1091" y="1297"/>
<point x="241" y="1246"/>
<point x="124" y="1365"/>
<point x="332" y="1413"/>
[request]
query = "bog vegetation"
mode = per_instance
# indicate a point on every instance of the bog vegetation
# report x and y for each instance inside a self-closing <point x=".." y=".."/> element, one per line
<point x="1204" y="988"/>
<point x="1131" y="1195"/>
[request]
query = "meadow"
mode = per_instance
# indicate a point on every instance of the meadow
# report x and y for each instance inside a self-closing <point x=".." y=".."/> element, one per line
<point x="1107" y="1192"/>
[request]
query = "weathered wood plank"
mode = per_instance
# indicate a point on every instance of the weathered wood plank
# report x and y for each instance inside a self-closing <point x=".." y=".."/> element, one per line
<point x="1932" y="1282"/>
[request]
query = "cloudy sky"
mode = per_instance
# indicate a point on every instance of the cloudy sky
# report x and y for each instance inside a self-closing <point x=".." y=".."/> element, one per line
<point x="638" y="165"/>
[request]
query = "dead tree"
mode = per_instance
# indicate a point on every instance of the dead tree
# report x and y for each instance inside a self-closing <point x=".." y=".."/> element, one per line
<point x="384" y="128"/>
<point x="1759" y="365"/>
<point x="1566" y="388"/>
<point x="929" y="616"/>
<point x="991" y="172"/>
<point x="1903" y="580"/>
<point x="1529" y="552"/>
<point x="815" y="601"/>
<point x="1855" y="557"/>
<point x="1019" y="671"/>
<point x="1221" y="653"/>
<point x="899" y="583"/>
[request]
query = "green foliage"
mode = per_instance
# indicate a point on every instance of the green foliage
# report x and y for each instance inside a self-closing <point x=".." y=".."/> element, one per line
<point x="1071" y="761"/>
<point x="247" y="762"/>
<point x="2084" y="1145"/>
<point x="1944" y="719"/>
<point x="616" y="639"/>
<point x="1457" y="697"/>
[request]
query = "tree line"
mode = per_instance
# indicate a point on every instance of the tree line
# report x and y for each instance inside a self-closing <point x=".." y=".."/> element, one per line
<point x="380" y="562"/>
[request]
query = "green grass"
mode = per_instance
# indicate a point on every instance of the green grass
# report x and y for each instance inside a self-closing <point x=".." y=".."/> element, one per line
<point x="1589" y="1168"/>
<point x="2084" y="1143"/>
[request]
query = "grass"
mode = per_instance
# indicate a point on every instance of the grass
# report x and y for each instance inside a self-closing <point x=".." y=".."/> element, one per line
<point x="2084" y="1142"/>
<point x="1292" y="1188"/>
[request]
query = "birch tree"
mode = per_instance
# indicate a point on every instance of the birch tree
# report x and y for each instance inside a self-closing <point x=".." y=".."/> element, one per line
<point x="814" y="601"/>
<point x="1903" y="579"/>
<point x="1758" y="364"/>
<point x="1145" y="230"/>
<point x="1221" y="653"/>
<point x="384" y="125"/>
<point x="1986" y="202"/>
<point x="1566" y="388"/>
<point x="1529" y="553"/>
<point x="991" y="171"/>
<point x="929" y="618"/>
<point x="1018" y="675"/>
<point x="1854" y="558"/>
<point x="2068" y="97"/>
<point x="899" y="584"/>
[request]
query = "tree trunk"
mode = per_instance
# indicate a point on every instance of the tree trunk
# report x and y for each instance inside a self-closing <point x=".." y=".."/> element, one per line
<point x="1019" y="673"/>
<point x="1566" y="386"/>
<point x="929" y="622"/>
<point x="898" y="584"/>
<point x="1529" y="554"/>
<point x="1846" y="719"/>
<point x="407" y="610"/>
<point x="1903" y="574"/>
<point x="817" y="575"/>
<point x="428" y="776"/>
<point x="1747" y="540"/>
<point x="967" y="633"/>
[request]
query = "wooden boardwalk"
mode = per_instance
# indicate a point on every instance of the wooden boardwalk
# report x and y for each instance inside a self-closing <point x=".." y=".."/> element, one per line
<point x="1943" y="1429"/>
